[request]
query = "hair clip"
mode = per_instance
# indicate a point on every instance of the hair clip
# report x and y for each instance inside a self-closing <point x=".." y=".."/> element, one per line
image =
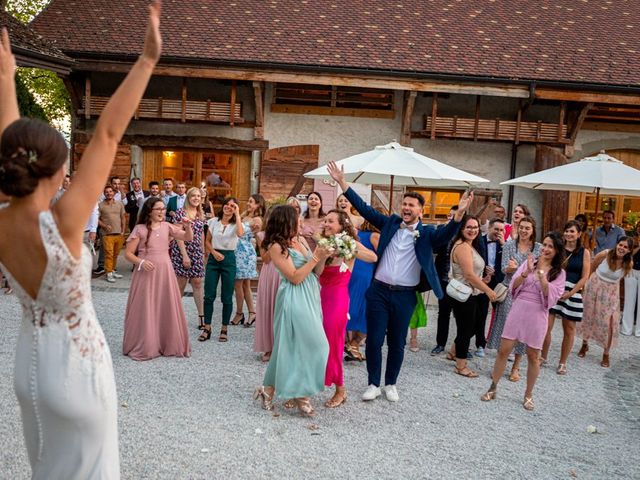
<point x="33" y="156"/>
<point x="2" y="170"/>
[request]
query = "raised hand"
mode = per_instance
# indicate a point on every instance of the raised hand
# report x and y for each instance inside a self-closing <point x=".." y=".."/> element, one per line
<point x="153" y="39"/>
<point x="530" y="263"/>
<point x="337" y="173"/>
<point x="7" y="60"/>
<point x="8" y="101"/>
<point x="465" y="201"/>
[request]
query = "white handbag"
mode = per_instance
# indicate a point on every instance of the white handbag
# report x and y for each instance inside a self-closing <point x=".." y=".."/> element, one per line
<point x="458" y="290"/>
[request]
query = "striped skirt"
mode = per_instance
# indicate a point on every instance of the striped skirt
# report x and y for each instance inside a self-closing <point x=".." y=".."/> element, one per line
<point x="571" y="308"/>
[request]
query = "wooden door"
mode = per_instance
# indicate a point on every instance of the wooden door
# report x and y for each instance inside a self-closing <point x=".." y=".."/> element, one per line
<point x="555" y="204"/>
<point x="281" y="171"/>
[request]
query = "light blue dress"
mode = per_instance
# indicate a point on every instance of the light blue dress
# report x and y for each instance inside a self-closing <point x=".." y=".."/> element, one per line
<point x="246" y="257"/>
<point x="300" y="349"/>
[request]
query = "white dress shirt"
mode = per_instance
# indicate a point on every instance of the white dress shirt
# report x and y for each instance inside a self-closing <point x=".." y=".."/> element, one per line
<point x="92" y="223"/>
<point x="399" y="265"/>
<point x="492" y="248"/>
<point x="180" y="201"/>
<point x="167" y="196"/>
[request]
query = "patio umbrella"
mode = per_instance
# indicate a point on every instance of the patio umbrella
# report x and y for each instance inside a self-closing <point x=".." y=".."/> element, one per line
<point x="393" y="164"/>
<point x="601" y="173"/>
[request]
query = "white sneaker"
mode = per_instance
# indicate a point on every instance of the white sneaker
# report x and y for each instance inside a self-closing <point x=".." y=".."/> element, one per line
<point x="391" y="393"/>
<point x="371" y="393"/>
<point x="110" y="278"/>
<point x="116" y="275"/>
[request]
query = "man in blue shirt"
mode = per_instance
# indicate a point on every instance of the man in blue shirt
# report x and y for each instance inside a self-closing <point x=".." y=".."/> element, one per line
<point x="608" y="234"/>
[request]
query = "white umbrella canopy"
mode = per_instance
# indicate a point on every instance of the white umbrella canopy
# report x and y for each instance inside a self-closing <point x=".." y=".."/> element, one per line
<point x="393" y="164"/>
<point x="600" y="174"/>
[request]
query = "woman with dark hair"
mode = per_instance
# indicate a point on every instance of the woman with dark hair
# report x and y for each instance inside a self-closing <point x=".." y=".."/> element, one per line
<point x="188" y="257"/>
<point x="514" y="253"/>
<point x="268" y="285"/>
<point x="520" y="211"/>
<point x="601" y="317"/>
<point x="154" y="322"/>
<point x="358" y="284"/>
<point x="63" y="371"/>
<point x="312" y="220"/>
<point x="297" y="365"/>
<point x="334" y="295"/>
<point x="247" y="258"/>
<point x="467" y="266"/>
<point x="536" y="285"/>
<point x="577" y="265"/>
<point x="221" y="242"/>
<point x="585" y="236"/>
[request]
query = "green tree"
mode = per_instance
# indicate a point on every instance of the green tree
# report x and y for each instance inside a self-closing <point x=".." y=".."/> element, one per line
<point x="46" y="88"/>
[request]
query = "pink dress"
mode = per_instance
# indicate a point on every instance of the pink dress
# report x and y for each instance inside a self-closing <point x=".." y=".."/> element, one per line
<point x="268" y="284"/>
<point x="154" y="323"/>
<point x="334" y="296"/>
<point x="529" y="315"/>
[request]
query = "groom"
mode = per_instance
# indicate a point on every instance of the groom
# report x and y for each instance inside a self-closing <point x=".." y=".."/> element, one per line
<point x="405" y="265"/>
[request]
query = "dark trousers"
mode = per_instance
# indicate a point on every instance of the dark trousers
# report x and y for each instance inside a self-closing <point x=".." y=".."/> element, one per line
<point x="388" y="313"/>
<point x="444" y="316"/>
<point x="133" y="219"/>
<point x="467" y="316"/>
<point x="100" y="264"/>
<point x="483" y="310"/>
<point x="224" y="271"/>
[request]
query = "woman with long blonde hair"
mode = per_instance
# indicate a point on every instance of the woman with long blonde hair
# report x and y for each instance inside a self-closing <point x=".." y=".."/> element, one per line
<point x="188" y="257"/>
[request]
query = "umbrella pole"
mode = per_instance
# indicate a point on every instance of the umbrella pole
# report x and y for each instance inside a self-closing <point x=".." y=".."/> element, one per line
<point x="391" y="195"/>
<point x="595" y="219"/>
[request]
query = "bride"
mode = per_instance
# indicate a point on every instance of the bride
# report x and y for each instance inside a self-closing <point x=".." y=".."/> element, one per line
<point x="63" y="373"/>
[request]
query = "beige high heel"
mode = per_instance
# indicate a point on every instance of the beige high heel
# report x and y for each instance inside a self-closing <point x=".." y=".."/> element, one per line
<point x="305" y="407"/>
<point x="265" y="398"/>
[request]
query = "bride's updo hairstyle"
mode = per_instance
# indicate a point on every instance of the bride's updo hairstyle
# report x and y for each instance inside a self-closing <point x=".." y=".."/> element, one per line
<point x="30" y="150"/>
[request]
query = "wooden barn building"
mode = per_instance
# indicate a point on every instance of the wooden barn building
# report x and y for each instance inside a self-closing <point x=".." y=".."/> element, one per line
<point x="260" y="91"/>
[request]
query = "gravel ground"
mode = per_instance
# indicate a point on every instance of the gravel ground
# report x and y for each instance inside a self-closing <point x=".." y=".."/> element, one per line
<point x="195" y="418"/>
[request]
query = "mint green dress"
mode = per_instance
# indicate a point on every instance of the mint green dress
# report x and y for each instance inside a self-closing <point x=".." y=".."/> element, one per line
<point x="300" y="348"/>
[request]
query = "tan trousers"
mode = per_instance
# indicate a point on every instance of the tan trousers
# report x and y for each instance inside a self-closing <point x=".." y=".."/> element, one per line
<point x="112" y="245"/>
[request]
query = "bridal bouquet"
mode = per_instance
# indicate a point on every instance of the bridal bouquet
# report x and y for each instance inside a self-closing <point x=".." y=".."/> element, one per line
<point x="343" y="245"/>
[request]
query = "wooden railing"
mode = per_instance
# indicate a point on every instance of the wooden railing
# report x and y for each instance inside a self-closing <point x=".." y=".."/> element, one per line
<point x="494" y="130"/>
<point x="177" y="110"/>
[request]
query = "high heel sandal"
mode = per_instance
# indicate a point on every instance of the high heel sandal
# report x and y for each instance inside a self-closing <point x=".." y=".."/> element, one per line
<point x="490" y="395"/>
<point x="583" y="350"/>
<point x="605" y="360"/>
<point x="206" y="334"/>
<point x="223" y="335"/>
<point x="333" y="403"/>
<point x="413" y="344"/>
<point x="305" y="407"/>
<point x="251" y="320"/>
<point x="238" y="319"/>
<point x="289" y="404"/>
<point x="265" y="399"/>
<point x="562" y="369"/>
<point x="514" y="376"/>
<point x="201" y="326"/>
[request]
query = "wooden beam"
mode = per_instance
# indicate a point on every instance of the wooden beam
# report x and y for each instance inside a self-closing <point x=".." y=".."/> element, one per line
<point x="611" y="126"/>
<point x="282" y="76"/>
<point x="171" y="141"/>
<point x="295" y="190"/>
<point x="259" y="102"/>
<point x="409" y="102"/>
<point x="518" y="122"/>
<point x="561" y="115"/>
<point x="588" y="96"/>
<point x="477" y="119"/>
<point x="232" y="102"/>
<point x="577" y="124"/>
<point x="434" y="115"/>
<point x="184" y="101"/>
<point x="87" y="96"/>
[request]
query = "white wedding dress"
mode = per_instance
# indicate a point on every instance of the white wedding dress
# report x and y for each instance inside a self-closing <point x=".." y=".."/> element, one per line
<point x="63" y="374"/>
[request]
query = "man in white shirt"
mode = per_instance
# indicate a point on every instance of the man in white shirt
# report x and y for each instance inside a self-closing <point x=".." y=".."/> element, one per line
<point x="405" y="250"/>
<point x="167" y="192"/>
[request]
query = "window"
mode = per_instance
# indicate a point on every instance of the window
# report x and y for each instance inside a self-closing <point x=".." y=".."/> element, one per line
<point x="437" y="204"/>
<point x="332" y="100"/>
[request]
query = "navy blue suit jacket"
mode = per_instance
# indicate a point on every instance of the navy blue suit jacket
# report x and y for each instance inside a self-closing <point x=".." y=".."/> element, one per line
<point x="430" y="238"/>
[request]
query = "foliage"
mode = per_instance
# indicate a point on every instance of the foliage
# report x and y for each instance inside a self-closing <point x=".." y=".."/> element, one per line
<point x="46" y="89"/>
<point x="24" y="10"/>
<point x="27" y="103"/>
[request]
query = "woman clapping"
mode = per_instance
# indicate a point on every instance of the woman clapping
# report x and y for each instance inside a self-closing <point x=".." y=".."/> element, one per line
<point x="535" y="287"/>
